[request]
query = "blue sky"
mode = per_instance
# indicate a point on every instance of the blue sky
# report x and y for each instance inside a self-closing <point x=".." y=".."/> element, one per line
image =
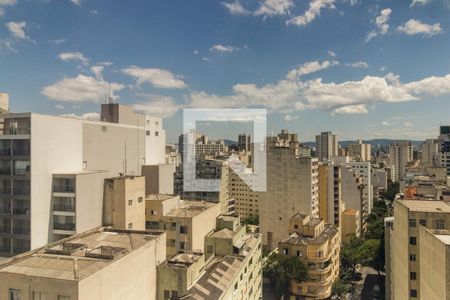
<point x="364" y="69"/>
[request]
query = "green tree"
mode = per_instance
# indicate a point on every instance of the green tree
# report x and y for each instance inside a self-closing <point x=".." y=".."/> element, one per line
<point x="282" y="270"/>
<point x="340" y="288"/>
<point x="392" y="190"/>
<point x="349" y="258"/>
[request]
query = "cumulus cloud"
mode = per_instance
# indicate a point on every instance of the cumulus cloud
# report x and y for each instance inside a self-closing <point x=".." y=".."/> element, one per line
<point x="387" y="123"/>
<point x="161" y="106"/>
<point x="358" y="64"/>
<point x="413" y="27"/>
<point x="351" y="109"/>
<point x="272" y="8"/>
<point x="98" y="71"/>
<point x="289" y="118"/>
<point x="420" y="2"/>
<point x="158" y="78"/>
<point x="90" y="116"/>
<point x="381" y="23"/>
<point x="315" y="6"/>
<point x="76" y="56"/>
<point x="293" y="93"/>
<point x="76" y="2"/>
<point x="223" y="49"/>
<point x="332" y="53"/>
<point x="17" y="30"/>
<point x="81" y="89"/>
<point x="236" y="8"/>
<point x="310" y="67"/>
<point x="5" y="3"/>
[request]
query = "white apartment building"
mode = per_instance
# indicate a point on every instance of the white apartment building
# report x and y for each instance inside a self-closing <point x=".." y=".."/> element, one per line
<point x="52" y="171"/>
<point x="400" y="153"/>
<point x="292" y="186"/>
<point x="326" y="146"/>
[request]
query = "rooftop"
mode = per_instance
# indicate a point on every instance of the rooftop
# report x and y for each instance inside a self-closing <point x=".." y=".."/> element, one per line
<point x="78" y="256"/>
<point x="183" y="260"/>
<point x="191" y="209"/>
<point x="159" y="197"/>
<point x="426" y="205"/>
<point x="329" y="232"/>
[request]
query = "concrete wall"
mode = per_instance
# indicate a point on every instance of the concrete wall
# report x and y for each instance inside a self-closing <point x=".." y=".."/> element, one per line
<point x="131" y="277"/>
<point x="155" y="141"/>
<point x="56" y="147"/>
<point x="158" y="179"/>
<point x="202" y="224"/>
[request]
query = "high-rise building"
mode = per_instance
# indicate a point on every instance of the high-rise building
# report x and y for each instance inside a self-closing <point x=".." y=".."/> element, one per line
<point x="246" y="200"/>
<point x="50" y="183"/>
<point x="101" y="264"/>
<point x="353" y="193"/>
<point x="411" y="252"/>
<point x="330" y="193"/>
<point x="359" y="151"/>
<point x="244" y="142"/>
<point x="444" y="148"/>
<point x="317" y="244"/>
<point x="292" y="186"/>
<point x="429" y="151"/>
<point x="326" y="146"/>
<point x="400" y="153"/>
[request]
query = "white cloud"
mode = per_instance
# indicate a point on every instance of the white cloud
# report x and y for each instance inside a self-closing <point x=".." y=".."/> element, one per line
<point x="161" y="106"/>
<point x="2" y="12"/>
<point x="420" y="2"/>
<point x="59" y="106"/>
<point x="383" y="68"/>
<point x="351" y="109"/>
<point x="76" y="56"/>
<point x="93" y="12"/>
<point x="236" y="8"/>
<point x="310" y="67"/>
<point x="90" y="116"/>
<point x="196" y="52"/>
<point x="381" y="23"/>
<point x="17" y="30"/>
<point x="81" y="88"/>
<point x="8" y="2"/>
<point x="76" y="2"/>
<point x="416" y="27"/>
<point x="205" y="59"/>
<point x="223" y="49"/>
<point x="407" y="124"/>
<point x="289" y="118"/>
<point x="272" y="8"/>
<point x="332" y="53"/>
<point x="387" y="123"/>
<point x="98" y="71"/>
<point x="358" y="64"/>
<point x="315" y="6"/>
<point x="57" y="42"/>
<point x="159" y="78"/>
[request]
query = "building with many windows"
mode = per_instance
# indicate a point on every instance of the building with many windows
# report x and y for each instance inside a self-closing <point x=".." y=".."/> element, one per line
<point x="326" y="146"/>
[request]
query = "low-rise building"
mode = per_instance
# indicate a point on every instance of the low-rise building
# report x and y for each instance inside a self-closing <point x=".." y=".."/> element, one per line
<point x="230" y="268"/>
<point x="317" y="244"/>
<point x="98" y="264"/>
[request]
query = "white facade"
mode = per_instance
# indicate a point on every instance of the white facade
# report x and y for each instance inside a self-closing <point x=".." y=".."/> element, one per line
<point x="155" y="141"/>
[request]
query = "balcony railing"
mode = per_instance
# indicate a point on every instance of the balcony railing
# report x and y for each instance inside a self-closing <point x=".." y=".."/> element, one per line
<point x="22" y="211"/>
<point x="5" y="229"/>
<point x="21" y="151"/>
<point x="65" y="226"/>
<point x="64" y="207"/>
<point x="16" y="131"/>
<point x="21" y="191"/>
<point x="64" y="189"/>
<point x="22" y="172"/>
<point x="5" y="210"/>
<point x="5" y="151"/>
<point x="21" y="230"/>
<point x="5" y="171"/>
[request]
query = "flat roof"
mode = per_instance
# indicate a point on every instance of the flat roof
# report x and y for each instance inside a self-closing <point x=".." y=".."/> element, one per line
<point x="160" y="197"/>
<point x="426" y="205"/>
<point x="78" y="256"/>
<point x="445" y="238"/>
<point x="329" y="232"/>
<point x="191" y="209"/>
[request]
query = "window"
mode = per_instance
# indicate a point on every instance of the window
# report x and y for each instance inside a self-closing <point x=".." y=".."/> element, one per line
<point x="130" y="225"/>
<point x="153" y="212"/>
<point x="183" y="229"/>
<point x="412" y="257"/>
<point x="412" y="275"/>
<point x="299" y="253"/>
<point x="285" y="251"/>
<point x="182" y="245"/>
<point x="423" y="222"/>
<point x="38" y="296"/>
<point x="130" y="202"/>
<point x="60" y="297"/>
<point x="413" y="293"/>
<point x="412" y="223"/>
<point x="156" y="123"/>
<point x="147" y="132"/>
<point x="14" y="294"/>
<point x="209" y="248"/>
<point x="412" y="240"/>
<point x="320" y="254"/>
<point x="140" y="199"/>
<point x="166" y="294"/>
<point x="439" y="224"/>
<point x="104" y="128"/>
<point x="156" y="133"/>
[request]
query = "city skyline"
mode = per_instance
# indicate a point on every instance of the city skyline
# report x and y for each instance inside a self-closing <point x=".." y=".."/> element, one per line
<point x="363" y="70"/>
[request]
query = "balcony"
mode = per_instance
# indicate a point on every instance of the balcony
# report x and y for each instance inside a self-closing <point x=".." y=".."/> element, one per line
<point x="16" y="131"/>
<point x="64" y="207"/>
<point x="5" y="171"/>
<point x="5" y="230"/>
<point x="64" y="226"/>
<point x="24" y="230"/>
<point x="64" y="189"/>
<point x="5" y="152"/>
<point x="21" y="211"/>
